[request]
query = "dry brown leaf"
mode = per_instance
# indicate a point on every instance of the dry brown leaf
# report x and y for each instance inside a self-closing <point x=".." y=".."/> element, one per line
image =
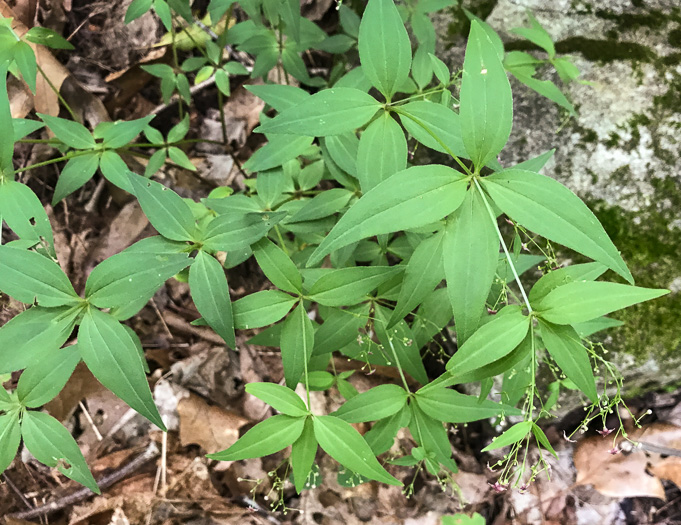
<point x="634" y="473"/>
<point x="123" y="230"/>
<point x="210" y="427"/>
<point x="81" y="385"/>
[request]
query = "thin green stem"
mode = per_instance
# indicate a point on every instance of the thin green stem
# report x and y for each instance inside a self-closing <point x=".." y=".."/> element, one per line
<point x="431" y="91"/>
<point x="176" y="64"/>
<point x="56" y="92"/>
<point x="282" y="244"/>
<point x="54" y="161"/>
<point x="503" y="244"/>
<point x="397" y="363"/>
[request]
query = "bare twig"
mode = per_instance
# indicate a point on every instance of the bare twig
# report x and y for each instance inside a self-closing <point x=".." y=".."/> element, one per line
<point x="117" y="475"/>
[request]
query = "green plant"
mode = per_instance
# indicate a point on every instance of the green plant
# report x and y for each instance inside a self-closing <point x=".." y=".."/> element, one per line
<point x="340" y="224"/>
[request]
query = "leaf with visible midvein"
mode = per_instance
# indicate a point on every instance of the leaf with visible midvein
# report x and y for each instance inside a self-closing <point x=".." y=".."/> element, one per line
<point x="297" y="341"/>
<point x="423" y="119"/>
<point x="382" y="151"/>
<point x="581" y="301"/>
<point x="42" y="381"/>
<point x="408" y="199"/>
<point x="344" y="444"/>
<point x="329" y="112"/>
<point x="562" y="276"/>
<point x="111" y="354"/>
<point x="166" y="210"/>
<point x="279" y="398"/>
<point x="423" y="273"/>
<point x="235" y="231"/>
<point x="27" y="337"/>
<point x="129" y="276"/>
<point x="548" y="208"/>
<point x="431" y="435"/>
<point x="445" y="404"/>
<point x="490" y="342"/>
<point x="384" y="47"/>
<point x="261" y="308"/>
<point x="349" y="286"/>
<point x="10" y="437"/>
<point x="516" y="433"/>
<point x="398" y="344"/>
<point x="53" y="445"/>
<point x="374" y="404"/>
<point x="24" y="214"/>
<point x="210" y="292"/>
<point x="278" y="266"/>
<point x="74" y="175"/>
<point x="340" y="328"/>
<point x="28" y="277"/>
<point x="486" y="105"/>
<point x="567" y="350"/>
<point x="471" y="253"/>
<point x="303" y="452"/>
<point x="267" y="437"/>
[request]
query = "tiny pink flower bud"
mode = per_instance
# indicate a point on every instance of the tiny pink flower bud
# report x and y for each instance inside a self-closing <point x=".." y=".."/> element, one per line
<point x="605" y="431"/>
<point x="498" y="487"/>
<point x="614" y="451"/>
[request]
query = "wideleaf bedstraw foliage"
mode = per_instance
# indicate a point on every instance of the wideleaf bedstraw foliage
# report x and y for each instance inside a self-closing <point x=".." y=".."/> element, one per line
<point x="370" y="255"/>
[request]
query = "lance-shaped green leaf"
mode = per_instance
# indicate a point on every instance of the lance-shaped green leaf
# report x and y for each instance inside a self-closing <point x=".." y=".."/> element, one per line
<point x="340" y="328"/>
<point x="24" y="214"/>
<point x="261" y="308"/>
<point x="277" y="266"/>
<point x="322" y="205"/>
<point x="548" y="208"/>
<point x="166" y="210"/>
<point x="348" y="286"/>
<point x="120" y="133"/>
<point x="516" y="433"/>
<point x="232" y="232"/>
<point x="382" y="151"/>
<point x="384" y="47"/>
<point x="486" y="105"/>
<point x="423" y="273"/>
<point x="399" y="344"/>
<point x="490" y="342"/>
<point x="303" y="452"/>
<point x="111" y="354"/>
<point x="69" y="132"/>
<point x="374" y="404"/>
<point x="28" y="277"/>
<point x="343" y="151"/>
<point x="507" y="362"/>
<point x="267" y="437"/>
<point x="542" y="439"/>
<point x="382" y="434"/>
<point x="297" y="341"/>
<point x="581" y="301"/>
<point x="408" y="199"/>
<point x="130" y="276"/>
<point x="280" y="97"/>
<point x="329" y="112"/>
<point x="279" y="149"/>
<point x="344" y="444"/>
<point x="588" y="328"/>
<point x="10" y="437"/>
<point x="433" y="125"/>
<point x="567" y="350"/>
<point x="536" y="34"/>
<point x="561" y="276"/>
<point x="42" y="381"/>
<point x="75" y="174"/>
<point x="53" y="445"/>
<point x="444" y="404"/>
<point x="210" y="292"/>
<point x="7" y="138"/>
<point x="279" y="398"/>
<point x="471" y="254"/>
<point x="29" y="336"/>
<point x="536" y="163"/>
<point x="431" y="435"/>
